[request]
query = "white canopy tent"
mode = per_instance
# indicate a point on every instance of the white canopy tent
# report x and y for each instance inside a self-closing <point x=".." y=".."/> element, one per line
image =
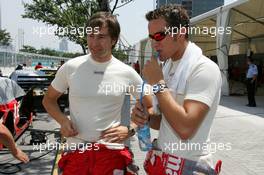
<point x="232" y="29"/>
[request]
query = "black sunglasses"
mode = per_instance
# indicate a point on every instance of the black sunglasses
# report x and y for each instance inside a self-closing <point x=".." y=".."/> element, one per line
<point x="158" y="36"/>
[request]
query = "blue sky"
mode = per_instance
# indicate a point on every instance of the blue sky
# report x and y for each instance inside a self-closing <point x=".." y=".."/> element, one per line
<point x="131" y="18"/>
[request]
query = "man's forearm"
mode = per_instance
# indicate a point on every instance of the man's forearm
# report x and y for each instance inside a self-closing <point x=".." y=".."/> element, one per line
<point x="176" y="115"/>
<point x="171" y="109"/>
<point x="6" y="138"/>
<point x="53" y="109"/>
<point x="184" y="119"/>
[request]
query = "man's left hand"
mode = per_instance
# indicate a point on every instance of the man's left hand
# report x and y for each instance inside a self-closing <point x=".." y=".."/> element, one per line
<point x="152" y="71"/>
<point x="20" y="155"/>
<point x="115" y="135"/>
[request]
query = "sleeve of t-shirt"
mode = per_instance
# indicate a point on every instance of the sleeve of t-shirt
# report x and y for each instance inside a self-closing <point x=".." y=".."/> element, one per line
<point x="60" y="82"/>
<point x="204" y="84"/>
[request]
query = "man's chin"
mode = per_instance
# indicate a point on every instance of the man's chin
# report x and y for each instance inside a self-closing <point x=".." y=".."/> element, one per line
<point x="96" y="54"/>
<point x="162" y="58"/>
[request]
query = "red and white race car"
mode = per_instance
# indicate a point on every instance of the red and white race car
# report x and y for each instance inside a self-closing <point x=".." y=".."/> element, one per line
<point x="15" y="108"/>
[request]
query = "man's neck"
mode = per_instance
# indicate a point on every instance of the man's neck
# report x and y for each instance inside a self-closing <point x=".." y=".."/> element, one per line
<point x="102" y="59"/>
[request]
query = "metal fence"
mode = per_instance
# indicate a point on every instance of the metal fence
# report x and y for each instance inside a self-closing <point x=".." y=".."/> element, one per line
<point x="10" y="59"/>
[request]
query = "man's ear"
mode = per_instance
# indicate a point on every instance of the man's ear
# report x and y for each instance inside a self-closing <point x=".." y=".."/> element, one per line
<point x="176" y="37"/>
<point x="114" y="42"/>
<point x="183" y="32"/>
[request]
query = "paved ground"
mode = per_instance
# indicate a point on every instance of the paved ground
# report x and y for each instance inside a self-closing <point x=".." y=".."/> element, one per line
<point x="243" y="127"/>
<point x="235" y="124"/>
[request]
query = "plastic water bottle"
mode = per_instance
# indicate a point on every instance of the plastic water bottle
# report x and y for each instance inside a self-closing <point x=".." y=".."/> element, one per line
<point x="144" y="139"/>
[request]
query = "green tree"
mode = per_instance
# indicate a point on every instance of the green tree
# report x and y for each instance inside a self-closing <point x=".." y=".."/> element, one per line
<point x="5" y="38"/>
<point x="28" y="49"/>
<point x="120" y="54"/>
<point x="68" y="16"/>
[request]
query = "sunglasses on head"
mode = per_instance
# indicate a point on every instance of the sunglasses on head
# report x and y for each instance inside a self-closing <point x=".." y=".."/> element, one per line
<point x="158" y="36"/>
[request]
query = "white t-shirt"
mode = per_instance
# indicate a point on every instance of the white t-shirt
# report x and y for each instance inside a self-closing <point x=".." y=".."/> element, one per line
<point x="204" y="85"/>
<point x="96" y="94"/>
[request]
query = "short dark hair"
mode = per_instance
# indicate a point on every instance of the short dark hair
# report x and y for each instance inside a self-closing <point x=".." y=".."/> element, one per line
<point x="174" y="15"/>
<point x="100" y="19"/>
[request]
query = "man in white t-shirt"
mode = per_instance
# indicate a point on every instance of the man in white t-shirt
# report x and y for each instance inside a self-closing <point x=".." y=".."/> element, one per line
<point x="187" y="93"/>
<point x="97" y="85"/>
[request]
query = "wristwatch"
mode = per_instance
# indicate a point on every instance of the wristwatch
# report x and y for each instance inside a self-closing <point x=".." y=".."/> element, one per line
<point x="159" y="87"/>
<point x="131" y="131"/>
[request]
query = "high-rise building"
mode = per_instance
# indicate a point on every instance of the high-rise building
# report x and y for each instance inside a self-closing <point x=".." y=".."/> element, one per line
<point x="202" y="6"/>
<point x="20" y="39"/>
<point x="63" y="45"/>
<point x="0" y="16"/>
<point x="194" y="7"/>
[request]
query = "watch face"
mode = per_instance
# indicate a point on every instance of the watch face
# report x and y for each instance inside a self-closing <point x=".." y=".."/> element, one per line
<point x="156" y="88"/>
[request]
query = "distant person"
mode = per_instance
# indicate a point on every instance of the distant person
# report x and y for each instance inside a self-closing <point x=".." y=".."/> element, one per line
<point x="38" y="66"/>
<point x="137" y="67"/>
<point x="251" y="76"/>
<point x="260" y="73"/>
<point x="1" y="74"/>
<point x="61" y="63"/>
<point x="52" y="65"/>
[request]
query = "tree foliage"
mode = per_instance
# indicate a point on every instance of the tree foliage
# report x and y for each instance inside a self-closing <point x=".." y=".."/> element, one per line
<point x="120" y="54"/>
<point x="5" y="38"/>
<point x="68" y="16"/>
<point x="28" y="49"/>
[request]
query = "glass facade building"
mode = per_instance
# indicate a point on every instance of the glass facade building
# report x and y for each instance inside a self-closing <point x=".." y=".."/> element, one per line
<point x="194" y="7"/>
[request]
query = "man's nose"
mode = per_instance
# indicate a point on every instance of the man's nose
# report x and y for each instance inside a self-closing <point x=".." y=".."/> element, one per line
<point x="155" y="44"/>
<point x="95" y="41"/>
